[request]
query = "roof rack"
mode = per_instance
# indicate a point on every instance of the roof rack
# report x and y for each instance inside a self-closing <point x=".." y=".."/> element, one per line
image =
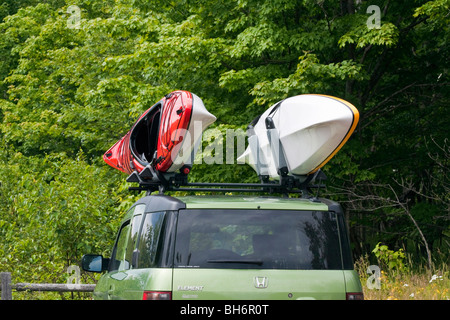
<point x="151" y="180"/>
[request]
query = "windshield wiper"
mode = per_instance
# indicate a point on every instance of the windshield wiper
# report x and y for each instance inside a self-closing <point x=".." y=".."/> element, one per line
<point x="257" y="262"/>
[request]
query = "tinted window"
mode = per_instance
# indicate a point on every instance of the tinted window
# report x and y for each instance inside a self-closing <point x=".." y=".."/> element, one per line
<point x="126" y="241"/>
<point x="148" y="241"/>
<point x="132" y="239"/>
<point x="257" y="239"/>
<point x="118" y="261"/>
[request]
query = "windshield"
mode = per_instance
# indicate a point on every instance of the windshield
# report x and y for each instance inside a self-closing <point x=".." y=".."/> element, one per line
<point x="257" y="239"/>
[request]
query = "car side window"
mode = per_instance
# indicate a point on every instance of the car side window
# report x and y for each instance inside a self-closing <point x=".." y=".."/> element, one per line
<point x="133" y="237"/>
<point x="118" y="261"/>
<point x="148" y="242"/>
<point x="126" y="241"/>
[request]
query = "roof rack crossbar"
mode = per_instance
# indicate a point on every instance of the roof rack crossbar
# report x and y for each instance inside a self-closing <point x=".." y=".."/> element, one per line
<point x="227" y="190"/>
<point x="151" y="180"/>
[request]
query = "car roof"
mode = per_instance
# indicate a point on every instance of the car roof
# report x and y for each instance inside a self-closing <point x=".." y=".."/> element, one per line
<point x="251" y="202"/>
<point x="160" y="202"/>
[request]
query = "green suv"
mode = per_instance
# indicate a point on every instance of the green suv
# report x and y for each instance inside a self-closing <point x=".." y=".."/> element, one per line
<point x="229" y="247"/>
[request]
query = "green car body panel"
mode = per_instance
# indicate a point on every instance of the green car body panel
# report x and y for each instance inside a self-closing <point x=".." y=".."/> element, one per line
<point x="197" y="282"/>
<point x="131" y="284"/>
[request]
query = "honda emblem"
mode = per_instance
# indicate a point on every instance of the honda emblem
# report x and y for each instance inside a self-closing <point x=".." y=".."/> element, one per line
<point x="260" y="282"/>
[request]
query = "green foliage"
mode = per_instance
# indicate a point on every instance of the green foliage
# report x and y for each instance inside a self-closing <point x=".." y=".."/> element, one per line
<point x="67" y="94"/>
<point x="54" y="207"/>
<point x="389" y="259"/>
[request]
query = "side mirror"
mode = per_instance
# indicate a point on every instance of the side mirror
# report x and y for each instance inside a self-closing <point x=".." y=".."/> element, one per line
<point x="94" y="263"/>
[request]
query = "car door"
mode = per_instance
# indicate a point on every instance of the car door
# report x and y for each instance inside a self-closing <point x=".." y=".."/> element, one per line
<point x="142" y="273"/>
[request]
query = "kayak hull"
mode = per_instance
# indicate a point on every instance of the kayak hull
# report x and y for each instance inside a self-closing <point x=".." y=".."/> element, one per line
<point x="165" y="136"/>
<point x="301" y="134"/>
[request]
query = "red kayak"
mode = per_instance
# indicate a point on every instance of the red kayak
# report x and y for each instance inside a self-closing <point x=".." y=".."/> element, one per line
<point x="163" y="136"/>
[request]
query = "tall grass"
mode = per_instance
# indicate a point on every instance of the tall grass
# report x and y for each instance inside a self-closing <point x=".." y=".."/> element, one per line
<point x="419" y="283"/>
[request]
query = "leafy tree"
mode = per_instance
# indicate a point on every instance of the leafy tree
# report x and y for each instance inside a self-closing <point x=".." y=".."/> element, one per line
<point x="68" y="92"/>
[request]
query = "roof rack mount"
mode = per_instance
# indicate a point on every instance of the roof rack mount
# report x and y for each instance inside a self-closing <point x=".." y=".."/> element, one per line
<point x="151" y="180"/>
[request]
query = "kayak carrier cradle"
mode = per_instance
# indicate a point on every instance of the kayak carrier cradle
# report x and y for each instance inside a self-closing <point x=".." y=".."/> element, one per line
<point x="151" y="180"/>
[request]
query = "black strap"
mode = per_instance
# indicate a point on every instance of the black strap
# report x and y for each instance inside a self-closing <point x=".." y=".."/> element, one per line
<point x="275" y="108"/>
<point x="255" y="121"/>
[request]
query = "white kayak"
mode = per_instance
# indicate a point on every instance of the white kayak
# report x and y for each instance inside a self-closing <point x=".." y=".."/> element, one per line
<point x="299" y="134"/>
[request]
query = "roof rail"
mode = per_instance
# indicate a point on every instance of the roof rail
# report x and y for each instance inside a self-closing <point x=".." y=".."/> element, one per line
<point x="151" y="180"/>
